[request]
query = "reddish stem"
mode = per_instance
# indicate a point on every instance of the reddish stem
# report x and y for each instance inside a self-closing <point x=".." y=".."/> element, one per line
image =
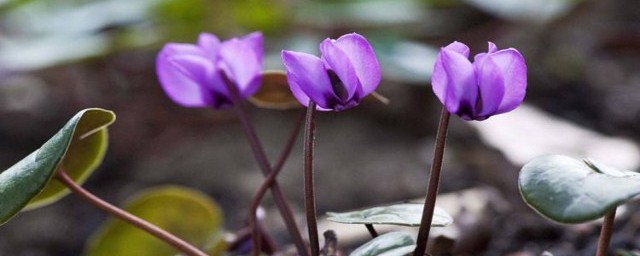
<point x="434" y="181"/>
<point x="605" y="233"/>
<point x="263" y="162"/>
<point x="268" y="182"/>
<point x="309" y="194"/>
<point x="144" y="225"/>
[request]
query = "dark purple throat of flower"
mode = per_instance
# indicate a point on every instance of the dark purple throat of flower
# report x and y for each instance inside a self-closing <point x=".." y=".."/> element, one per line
<point x="340" y="90"/>
<point x="471" y="111"/>
<point x="223" y="99"/>
<point x="338" y="86"/>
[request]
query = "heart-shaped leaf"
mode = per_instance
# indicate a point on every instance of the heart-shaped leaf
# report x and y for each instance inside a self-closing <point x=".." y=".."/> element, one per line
<point x="389" y="244"/>
<point x="398" y="214"/>
<point x="274" y="92"/>
<point x="78" y="148"/>
<point x="217" y="245"/>
<point x="188" y="214"/>
<point x="568" y="190"/>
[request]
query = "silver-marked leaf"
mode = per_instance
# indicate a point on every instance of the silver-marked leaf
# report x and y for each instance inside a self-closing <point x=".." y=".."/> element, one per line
<point x="389" y="244"/>
<point x="399" y="214"/>
<point x="78" y="147"/>
<point x="568" y="190"/>
<point x="608" y="170"/>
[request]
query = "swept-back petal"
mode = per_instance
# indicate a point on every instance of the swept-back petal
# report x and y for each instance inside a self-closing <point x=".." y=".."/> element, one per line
<point x="480" y="56"/>
<point x="308" y="78"/>
<point x="242" y="64"/>
<point x="339" y="62"/>
<point x="491" y="85"/>
<point x="173" y="49"/>
<point x="210" y="44"/>
<point x="492" y="47"/>
<point x="458" y="47"/>
<point x="514" y="72"/>
<point x="453" y="81"/>
<point x="184" y="76"/>
<point x="300" y="95"/>
<point x="363" y="59"/>
<point x="255" y="42"/>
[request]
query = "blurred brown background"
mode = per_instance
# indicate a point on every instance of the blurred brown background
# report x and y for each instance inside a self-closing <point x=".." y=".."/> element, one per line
<point x="57" y="57"/>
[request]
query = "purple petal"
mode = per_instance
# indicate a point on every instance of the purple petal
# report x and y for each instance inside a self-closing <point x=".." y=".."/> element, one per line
<point x="492" y="47"/>
<point x="339" y="62"/>
<point x="173" y="49"/>
<point x="183" y="76"/>
<point x="308" y="78"/>
<point x="242" y="64"/>
<point x="297" y="92"/>
<point x="363" y="59"/>
<point x="459" y="47"/>
<point x="480" y="56"/>
<point x="255" y="42"/>
<point x="491" y="85"/>
<point x="453" y="80"/>
<point x="300" y="95"/>
<point x="210" y="44"/>
<point x="514" y="71"/>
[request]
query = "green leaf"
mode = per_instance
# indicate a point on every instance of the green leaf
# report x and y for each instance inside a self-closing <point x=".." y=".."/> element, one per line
<point x="399" y="214"/>
<point x="268" y="16"/>
<point x="82" y="157"/>
<point x="274" y="92"/>
<point x="568" y="190"/>
<point x="217" y="246"/>
<point x="78" y="147"/>
<point x="186" y="213"/>
<point x="389" y="244"/>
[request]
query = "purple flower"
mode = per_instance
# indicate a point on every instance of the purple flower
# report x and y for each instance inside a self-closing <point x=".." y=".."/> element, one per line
<point x="346" y="72"/>
<point x="194" y="75"/>
<point x="494" y="83"/>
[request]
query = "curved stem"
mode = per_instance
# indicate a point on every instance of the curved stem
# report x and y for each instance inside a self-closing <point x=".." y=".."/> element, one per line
<point x="144" y="225"/>
<point x="240" y="236"/>
<point x="263" y="162"/>
<point x="309" y="194"/>
<point x="267" y="241"/>
<point x="605" y="233"/>
<point x="432" y="188"/>
<point x="266" y="184"/>
<point x="244" y="235"/>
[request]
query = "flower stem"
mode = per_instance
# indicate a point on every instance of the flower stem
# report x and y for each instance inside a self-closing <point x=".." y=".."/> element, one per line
<point x="434" y="181"/>
<point x="244" y="235"/>
<point x="263" y="162"/>
<point x="266" y="184"/>
<point x="309" y="194"/>
<point x="371" y="230"/>
<point x="154" y="230"/>
<point x="605" y="233"/>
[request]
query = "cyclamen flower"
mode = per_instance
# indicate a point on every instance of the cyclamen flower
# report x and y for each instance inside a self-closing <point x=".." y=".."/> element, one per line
<point x="346" y="72"/>
<point x="194" y="75"/>
<point x="494" y="83"/>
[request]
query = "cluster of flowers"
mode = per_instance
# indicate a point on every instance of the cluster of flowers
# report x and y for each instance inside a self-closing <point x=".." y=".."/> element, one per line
<point x="198" y="75"/>
<point x="218" y="74"/>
